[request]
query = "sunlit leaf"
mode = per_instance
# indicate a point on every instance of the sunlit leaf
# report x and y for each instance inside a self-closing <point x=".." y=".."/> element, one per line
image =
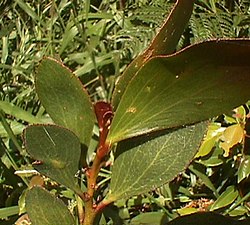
<point x="195" y="84"/>
<point x="165" y="42"/>
<point x="213" y="134"/>
<point x="244" y="168"/>
<point x="226" y="198"/>
<point x="233" y="135"/>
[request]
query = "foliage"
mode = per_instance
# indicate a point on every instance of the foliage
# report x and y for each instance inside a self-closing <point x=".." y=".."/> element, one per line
<point x="114" y="36"/>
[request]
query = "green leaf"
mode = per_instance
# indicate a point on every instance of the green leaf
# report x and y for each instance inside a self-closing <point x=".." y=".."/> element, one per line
<point x="149" y="218"/>
<point x="200" y="82"/>
<point x="145" y="163"/>
<point x="19" y="113"/>
<point x="65" y="99"/>
<point x="226" y="198"/>
<point x="44" y="208"/>
<point x="58" y="149"/>
<point x="206" y="218"/>
<point x="244" y="168"/>
<point x="196" y="169"/>
<point x="165" y="42"/>
<point x="213" y="134"/>
<point x="8" y="211"/>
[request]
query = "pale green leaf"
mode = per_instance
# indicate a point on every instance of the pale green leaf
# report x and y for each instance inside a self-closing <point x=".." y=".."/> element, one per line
<point x="226" y="198"/>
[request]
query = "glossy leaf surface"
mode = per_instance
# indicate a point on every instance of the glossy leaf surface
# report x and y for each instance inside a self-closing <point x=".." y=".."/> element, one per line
<point x="200" y="82"/>
<point x="57" y="151"/>
<point x="226" y="198"/>
<point x="65" y="99"/>
<point x="207" y="218"/>
<point x="165" y="42"/>
<point x="244" y="168"/>
<point x="44" y="208"/>
<point x="147" y="162"/>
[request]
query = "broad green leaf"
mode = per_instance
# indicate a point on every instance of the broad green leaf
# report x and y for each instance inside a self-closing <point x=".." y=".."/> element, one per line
<point x="149" y="218"/>
<point x="165" y="42"/>
<point x="58" y="150"/>
<point x="44" y="208"/>
<point x="145" y="163"/>
<point x="206" y="218"/>
<point x="226" y="198"/>
<point x="244" y="168"/>
<point x="200" y="82"/>
<point x="65" y="99"/>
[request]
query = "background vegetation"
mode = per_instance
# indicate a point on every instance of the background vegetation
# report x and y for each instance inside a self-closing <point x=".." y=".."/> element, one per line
<point x="97" y="39"/>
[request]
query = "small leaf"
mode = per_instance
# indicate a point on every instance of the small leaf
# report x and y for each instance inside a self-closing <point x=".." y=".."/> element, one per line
<point x="165" y="42"/>
<point x="192" y="85"/>
<point x="214" y="158"/>
<point x="213" y="133"/>
<point x="233" y="135"/>
<point x="244" y="168"/>
<point x="65" y="99"/>
<point x="196" y="169"/>
<point x="206" y="218"/>
<point x="44" y="208"/>
<point x="145" y="163"/>
<point x="226" y="198"/>
<point x="58" y="150"/>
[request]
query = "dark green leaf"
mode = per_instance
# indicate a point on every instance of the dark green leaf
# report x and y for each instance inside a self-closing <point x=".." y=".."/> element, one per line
<point x="58" y="149"/>
<point x="44" y="208"/>
<point x="164" y="43"/>
<point x="198" y="170"/>
<point x="145" y="163"/>
<point x="65" y="99"/>
<point x="206" y="218"/>
<point x="200" y="82"/>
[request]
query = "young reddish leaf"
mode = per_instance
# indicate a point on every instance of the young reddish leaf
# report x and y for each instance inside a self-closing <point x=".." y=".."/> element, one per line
<point x="104" y="115"/>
